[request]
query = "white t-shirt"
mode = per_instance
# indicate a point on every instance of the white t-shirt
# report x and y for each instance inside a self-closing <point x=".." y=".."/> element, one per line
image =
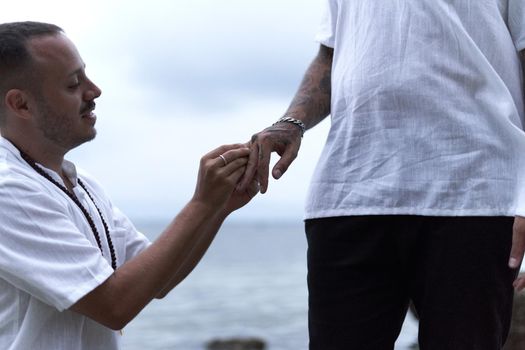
<point x="427" y="109"/>
<point x="49" y="258"/>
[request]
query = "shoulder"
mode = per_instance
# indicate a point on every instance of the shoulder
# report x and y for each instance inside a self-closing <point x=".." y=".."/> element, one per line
<point x="14" y="175"/>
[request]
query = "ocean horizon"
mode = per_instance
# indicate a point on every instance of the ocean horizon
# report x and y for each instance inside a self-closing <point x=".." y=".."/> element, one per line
<point x="250" y="284"/>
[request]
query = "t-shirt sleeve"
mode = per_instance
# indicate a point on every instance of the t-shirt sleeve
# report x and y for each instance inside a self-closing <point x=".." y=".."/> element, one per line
<point x="517" y="22"/>
<point x="41" y="251"/>
<point x="326" y="32"/>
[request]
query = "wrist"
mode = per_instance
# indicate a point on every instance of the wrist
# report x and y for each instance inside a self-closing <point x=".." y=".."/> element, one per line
<point x="290" y="120"/>
<point x="203" y="208"/>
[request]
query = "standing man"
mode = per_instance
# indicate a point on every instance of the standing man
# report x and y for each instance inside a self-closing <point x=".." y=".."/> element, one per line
<point x="73" y="269"/>
<point x="422" y="177"/>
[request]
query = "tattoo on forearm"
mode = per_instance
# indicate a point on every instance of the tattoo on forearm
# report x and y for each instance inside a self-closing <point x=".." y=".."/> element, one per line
<point x="311" y="104"/>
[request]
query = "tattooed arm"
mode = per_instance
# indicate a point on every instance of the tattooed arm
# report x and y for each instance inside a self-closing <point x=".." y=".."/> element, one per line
<point x="311" y="104"/>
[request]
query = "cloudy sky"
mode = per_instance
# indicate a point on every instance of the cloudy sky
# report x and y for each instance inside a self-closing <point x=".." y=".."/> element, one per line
<point x="179" y="78"/>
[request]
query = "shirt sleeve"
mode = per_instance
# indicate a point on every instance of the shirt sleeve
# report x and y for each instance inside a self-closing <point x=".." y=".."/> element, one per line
<point x="326" y="32"/>
<point x="517" y="22"/>
<point x="134" y="241"/>
<point x="42" y="252"/>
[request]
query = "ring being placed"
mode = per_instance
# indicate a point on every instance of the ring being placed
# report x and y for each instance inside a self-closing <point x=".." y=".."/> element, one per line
<point x="223" y="159"/>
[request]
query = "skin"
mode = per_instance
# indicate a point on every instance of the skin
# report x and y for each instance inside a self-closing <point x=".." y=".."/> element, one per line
<point x="311" y="104"/>
<point x="54" y="117"/>
<point x="49" y="121"/>
<point x="518" y="231"/>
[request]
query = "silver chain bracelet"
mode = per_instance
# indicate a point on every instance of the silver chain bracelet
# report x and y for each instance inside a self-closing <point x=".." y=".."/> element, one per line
<point x="293" y="121"/>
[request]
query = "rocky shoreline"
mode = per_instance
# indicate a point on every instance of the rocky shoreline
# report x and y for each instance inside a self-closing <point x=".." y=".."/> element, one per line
<point x="236" y="344"/>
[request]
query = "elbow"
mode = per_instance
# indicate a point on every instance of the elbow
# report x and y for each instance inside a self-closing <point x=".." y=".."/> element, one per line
<point x="116" y="323"/>
<point x="116" y="319"/>
<point x="165" y="291"/>
<point x="111" y="307"/>
<point x="161" y="295"/>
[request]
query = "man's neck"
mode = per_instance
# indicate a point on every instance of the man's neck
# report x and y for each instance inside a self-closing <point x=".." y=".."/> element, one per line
<point x="48" y="155"/>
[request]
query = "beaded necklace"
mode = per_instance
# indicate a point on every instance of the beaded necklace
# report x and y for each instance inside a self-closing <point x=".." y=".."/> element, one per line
<point x="84" y="211"/>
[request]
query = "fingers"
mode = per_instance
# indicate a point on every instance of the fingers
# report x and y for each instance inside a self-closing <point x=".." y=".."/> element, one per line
<point x="232" y="167"/>
<point x="237" y="173"/>
<point x="232" y="163"/>
<point x="253" y="189"/>
<point x="228" y="157"/>
<point x="519" y="283"/>
<point x="263" y="162"/>
<point x="223" y="149"/>
<point x="286" y="159"/>
<point x="282" y="138"/>
<point x="216" y="181"/>
<point x="251" y="167"/>
<point x="518" y="243"/>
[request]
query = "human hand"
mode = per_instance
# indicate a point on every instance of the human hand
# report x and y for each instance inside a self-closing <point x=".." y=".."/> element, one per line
<point x="240" y="198"/>
<point x="219" y="172"/>
<point x="517" y="251"/>
<point x="283" y="138"/>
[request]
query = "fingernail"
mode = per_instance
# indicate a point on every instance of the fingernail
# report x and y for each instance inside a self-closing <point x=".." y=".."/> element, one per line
<point x="277" y="173"/>
<point x="513" y="263"/>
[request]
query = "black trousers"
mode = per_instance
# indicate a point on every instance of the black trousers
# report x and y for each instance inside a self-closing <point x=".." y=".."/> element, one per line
<point x="364" y="270"/>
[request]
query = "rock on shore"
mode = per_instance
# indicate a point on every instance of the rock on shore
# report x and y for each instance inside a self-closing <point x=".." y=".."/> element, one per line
<point x="236" y="344"/>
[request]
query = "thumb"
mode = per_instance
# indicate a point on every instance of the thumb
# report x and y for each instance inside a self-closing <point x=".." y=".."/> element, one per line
<point x="286" y="159"/>
<point x="518" y="243"/>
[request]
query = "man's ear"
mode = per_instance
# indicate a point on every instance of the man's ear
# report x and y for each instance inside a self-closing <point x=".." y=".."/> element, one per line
<point x="17" y="101"/>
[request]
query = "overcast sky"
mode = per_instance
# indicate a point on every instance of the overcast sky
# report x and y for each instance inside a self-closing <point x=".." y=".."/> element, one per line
<point x="180" y="78"/>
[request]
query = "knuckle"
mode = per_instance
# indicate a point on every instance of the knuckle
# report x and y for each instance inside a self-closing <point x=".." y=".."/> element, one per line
<point x="228" y="182"/>
<point x="208" y="163"/>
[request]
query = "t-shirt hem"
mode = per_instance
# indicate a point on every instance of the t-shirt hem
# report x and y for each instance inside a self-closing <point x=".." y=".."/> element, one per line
<point x="323" y="40"/>
<point x="317" y="214"/>
<point x="520" y="45"/>
<point x="86" y="287"/>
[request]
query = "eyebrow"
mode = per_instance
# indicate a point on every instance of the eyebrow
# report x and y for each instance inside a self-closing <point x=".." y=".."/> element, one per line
<point x="78" y="71"/>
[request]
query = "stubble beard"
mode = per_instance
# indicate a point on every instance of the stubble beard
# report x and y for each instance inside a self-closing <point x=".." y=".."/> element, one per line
<point x="59" y="128"/>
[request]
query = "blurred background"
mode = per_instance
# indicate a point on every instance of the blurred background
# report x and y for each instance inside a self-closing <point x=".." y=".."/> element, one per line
<point x="179" y="78"/>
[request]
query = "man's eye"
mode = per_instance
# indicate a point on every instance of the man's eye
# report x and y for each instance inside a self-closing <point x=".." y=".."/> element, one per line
<point x="73" y="85"/>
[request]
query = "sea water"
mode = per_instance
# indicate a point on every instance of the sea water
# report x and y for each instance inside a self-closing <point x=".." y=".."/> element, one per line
<point x="251" y="283"/>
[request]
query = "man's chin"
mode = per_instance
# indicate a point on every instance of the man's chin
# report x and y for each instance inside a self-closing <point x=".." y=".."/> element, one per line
<point x="86" y="139"/>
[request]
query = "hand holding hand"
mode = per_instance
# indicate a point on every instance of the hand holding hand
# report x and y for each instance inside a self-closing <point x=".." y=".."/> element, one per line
<point x="240" y="198"/>
<point x="283" y="138"/>
<point x="220" y="171"/>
